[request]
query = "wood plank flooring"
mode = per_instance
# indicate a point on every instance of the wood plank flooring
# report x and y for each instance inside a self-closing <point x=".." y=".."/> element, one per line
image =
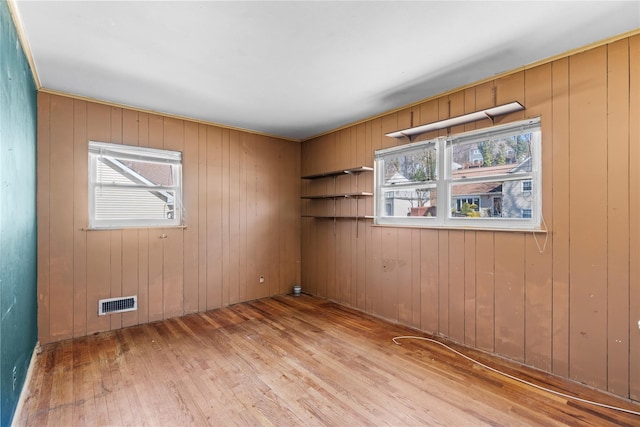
<point x="288" y="361"/>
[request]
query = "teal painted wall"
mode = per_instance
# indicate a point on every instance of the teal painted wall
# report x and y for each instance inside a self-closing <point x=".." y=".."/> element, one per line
<point x="18" y="302"/>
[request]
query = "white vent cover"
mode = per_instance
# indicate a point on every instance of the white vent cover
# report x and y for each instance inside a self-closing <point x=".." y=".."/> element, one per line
<point x="117" y="305"/>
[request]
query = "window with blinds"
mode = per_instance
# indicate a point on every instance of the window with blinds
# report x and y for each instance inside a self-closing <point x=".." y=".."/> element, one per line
<point x="134" y="186"/>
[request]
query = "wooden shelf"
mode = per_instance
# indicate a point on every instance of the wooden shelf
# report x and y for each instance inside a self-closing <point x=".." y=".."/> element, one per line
<point x="352" y="171"/>
<point x="339" y="196"/>
<point x="356" y="195"/>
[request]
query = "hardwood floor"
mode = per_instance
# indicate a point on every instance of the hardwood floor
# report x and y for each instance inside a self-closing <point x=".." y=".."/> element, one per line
<point x="288" y="361"/>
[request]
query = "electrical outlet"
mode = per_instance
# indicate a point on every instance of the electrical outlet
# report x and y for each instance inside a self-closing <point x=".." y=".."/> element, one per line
<point x="261" y="279"/>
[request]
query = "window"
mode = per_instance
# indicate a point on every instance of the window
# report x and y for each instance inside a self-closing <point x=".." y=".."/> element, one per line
<point x="488" y="178"/>
<point x="134" y="186"/>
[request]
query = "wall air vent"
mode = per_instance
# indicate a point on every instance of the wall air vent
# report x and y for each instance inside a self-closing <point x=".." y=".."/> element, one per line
<point x="117" y="305"/>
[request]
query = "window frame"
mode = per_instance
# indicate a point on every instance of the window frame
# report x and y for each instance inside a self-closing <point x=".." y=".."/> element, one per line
<point x="119" y="152"/>
<point x="445" y="182"/>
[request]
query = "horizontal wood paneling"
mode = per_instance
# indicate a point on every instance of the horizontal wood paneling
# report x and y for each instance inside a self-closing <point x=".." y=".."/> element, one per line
<point x="566" y="302"/>
<point x="242" y="210"/>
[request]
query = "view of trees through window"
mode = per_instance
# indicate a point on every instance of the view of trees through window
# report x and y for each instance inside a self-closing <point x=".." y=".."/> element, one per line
<point x="491" y="176"/>
<point x="492" y="152"/>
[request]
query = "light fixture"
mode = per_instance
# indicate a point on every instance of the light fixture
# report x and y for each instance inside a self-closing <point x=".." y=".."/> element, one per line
<point x="488" y="113"/>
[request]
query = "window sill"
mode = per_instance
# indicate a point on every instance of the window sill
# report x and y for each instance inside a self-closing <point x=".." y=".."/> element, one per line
<point x="465" y="228"/>
<point x="134" y="227"/>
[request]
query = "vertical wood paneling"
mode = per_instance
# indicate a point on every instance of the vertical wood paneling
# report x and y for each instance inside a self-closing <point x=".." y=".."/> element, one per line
<point x="172" y="270"/>
<point x="214" y="218"/>
<point x="173" y="245"/>
<point x="130" y="276"/>
<point x="429" y="280"/>
<point x="509" y="295"/>
<point x="588" y="233"/>
<point x="485" y="291"/>
<point x="61" y="214"/>
<point x="443" y="281"/>
<point x="143" y="237"/>
<point x="374" y="272"/>
<point x="330" y="248"/>
<point x="263" y="219"/>
<point x="456" y="276"/>
<point x="416" y="288"/>
<point x="618" y="218"/>
<point x="225" y="229"/>
<point x="538" y="254"/>
<point x="509" y="89"/>
<point x="130" y="279"/>
<point x="405" y="279"/>
<point x="273" y="231"/>
<point x="115" y="262"/>
<point x="470" y="288"/>
<point x="116" y="235"/>
<point x="191" y="198"/>
<point x="324" y="234"/>
<point x="98" y="242"/>
<point x="343" y="261"/>
<point x="634" y="206"/>
<point x="243" y="196"/>
<point x="43" y="181"/>
<point x="252" y="216"/>
<point x="156" y="294"/>
<point x="202" y="217"/>
<point x="509" y="292"/>
<point x="389" y="242"/>
<point x="80" y="217"/>
<point x="235" y="194"/>
<point x="98" y="279"/>
<point x="560" y="216"/>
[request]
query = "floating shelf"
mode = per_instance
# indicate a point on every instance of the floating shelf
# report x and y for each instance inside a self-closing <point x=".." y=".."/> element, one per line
<point x="339" y="196"/>
<point x="352" y="171"/>
<point x="489" y="113"/>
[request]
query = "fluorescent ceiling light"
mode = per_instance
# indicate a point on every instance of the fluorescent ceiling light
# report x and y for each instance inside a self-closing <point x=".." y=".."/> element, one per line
<point x="489" y="113"/>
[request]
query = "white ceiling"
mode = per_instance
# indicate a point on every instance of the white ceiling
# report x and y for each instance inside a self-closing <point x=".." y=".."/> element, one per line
<point x="298" y="68"/>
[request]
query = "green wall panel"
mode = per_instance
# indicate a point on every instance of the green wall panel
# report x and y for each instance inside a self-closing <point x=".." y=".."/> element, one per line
<point x="18" y="302"/>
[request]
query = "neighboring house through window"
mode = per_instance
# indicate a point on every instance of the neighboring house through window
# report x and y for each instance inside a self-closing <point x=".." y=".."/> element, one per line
<point x="446" y="182"/>
<point x="134" y="186"/>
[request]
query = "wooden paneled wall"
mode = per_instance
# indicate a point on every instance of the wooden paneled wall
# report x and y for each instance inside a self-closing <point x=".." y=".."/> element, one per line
<point x="242" y="207"/>
<point x="567" y="302"/>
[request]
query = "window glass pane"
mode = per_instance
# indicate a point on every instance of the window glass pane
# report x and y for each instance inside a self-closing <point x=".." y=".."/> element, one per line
<point x="410" y="202"/>
<point x="133" y="186"/>
<point x="121" y="203"/>
<point x="495" y="199"/>
<point x="491" y="174"/>
<point x="412" y="167"/>
<point x="492" y="156"/>
<point x="119" y="171"/>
